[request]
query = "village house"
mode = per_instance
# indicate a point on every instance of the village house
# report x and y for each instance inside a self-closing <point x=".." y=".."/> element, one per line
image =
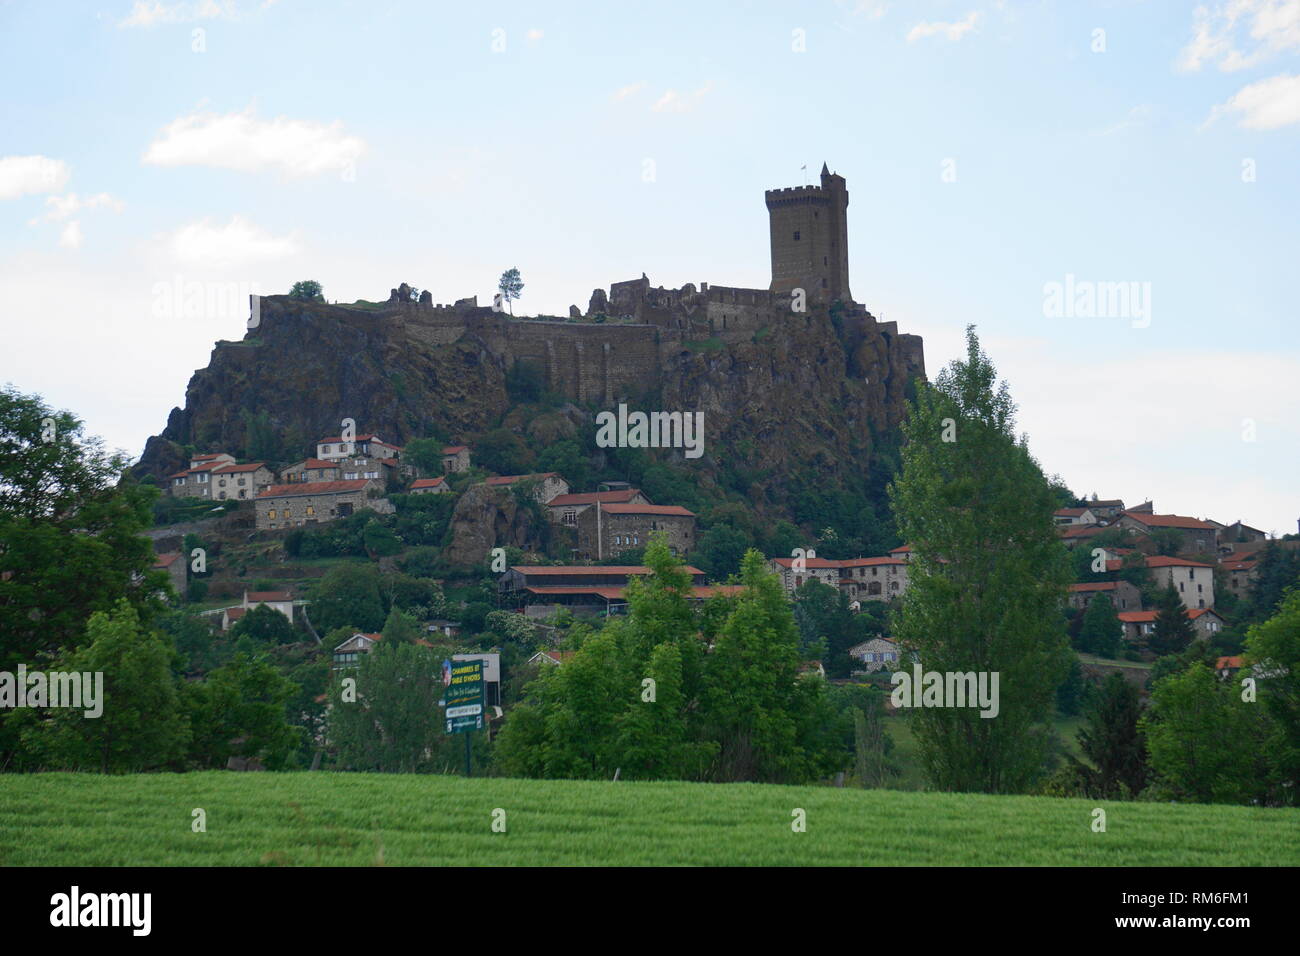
<point x="173" y="562"/>
<point x="455" y="459"/>
<point x="555" y="658"/>
<point x="1197" y="536"/>
<point x="1207" y="622"/>
<point x="1238" y="533"/>
<point x="231" y="616"/>
<point x="1072" y="534"/>
<point x="298" y="504"/>
<point x="196" y="481"/>
<point x="348" y="654"/>
<point x="607" y="530"/>
<point x="549" y="485"/>
<point x="366" y="446"/>
<point x="540" y="591"/>
<point x="241" y="481"/>
<point x="383" y="470"/>
<point x="1226" y="667"/>
<point x="1106" y="509"/>
<point x="873" y="579"/>
<point x="879" y="653"/>
<point x="1074" y="516"/>
<point x="820" y="569"/>
<point x="1239" y="575"/>
<point x="429" y="486"/>
<point x="903" y="553"/>
<point x="1193" y="580"/>
<point x="281" y="601"/>
<point x="1122" y="595"/>
<point x="1138" y="625"/>
<point x="564" y="509"/>
<point x="310" y="469"/>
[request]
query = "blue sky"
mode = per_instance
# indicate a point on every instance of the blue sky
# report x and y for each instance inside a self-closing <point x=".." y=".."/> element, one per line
<point x="990" y="149"/>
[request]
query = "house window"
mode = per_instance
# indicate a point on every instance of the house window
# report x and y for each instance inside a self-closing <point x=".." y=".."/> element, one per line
<point x="311" y="510"/>
<point x="222" y="496"/>
<point x="570" y="517"/>
<point x="242" y="493"/>
<point x="202" y="478"/>
<point x="271" y="513"/>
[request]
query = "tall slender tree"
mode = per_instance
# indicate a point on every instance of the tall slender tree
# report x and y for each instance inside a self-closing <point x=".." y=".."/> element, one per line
<point x="987" y="578"/>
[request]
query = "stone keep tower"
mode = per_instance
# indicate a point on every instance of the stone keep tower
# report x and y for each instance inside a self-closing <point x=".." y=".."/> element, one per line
<point x="810" y="239"/>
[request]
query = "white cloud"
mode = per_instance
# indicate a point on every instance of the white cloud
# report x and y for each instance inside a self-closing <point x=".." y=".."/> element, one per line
<point x="22" y="175"/>
<point x="70" y="238"/>
<point x="1268" y="104"/>
<point x="147" y="14"/>
<point x="242" y="142"/>
<point x="953" y="31"/>
<point x="673" y="102"/>
<point x="623" y="92"/>
<point x="1241" y="33"/>
<point x="61" y="207"/>
<point x="535" y="35"/>
<point x="238" y="241"/>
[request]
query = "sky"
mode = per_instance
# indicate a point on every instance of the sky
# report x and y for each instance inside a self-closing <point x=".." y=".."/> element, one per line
<point x="1015" y="166"/>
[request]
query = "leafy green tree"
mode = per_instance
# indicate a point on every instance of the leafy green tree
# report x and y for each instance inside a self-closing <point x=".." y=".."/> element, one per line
<point x="987" y="578"/>
<point x="401" y="628"/>
<point x="1101" y="631"/>
<point x="871" y="743"/>
<point x="511" y="287"/>
<point x="1173" y="630"/>
<point x="1072" y="693"/>
<point x="566" y="458"/>
<point x="306" y="289"/>
<point x="524" y="382"/>
<point x="380" y="540"/>
<point x="142" y="726"/>
<point x="503" y="452"/>
<point x="1206" y="744"/>
<point x="262" y="627"/>
<point x="719" y="550"/>
<point x="425" y="454"/>
<point x="1273" y="655"/>
<point x="1112" y="741"/>
<point x="392" y="726"/>
<point x="822" y="612"/>
<point x="1168" y="541"/>
<point x="239" y="711"/>
<point x="1277" y="571"/>
<point x="348" y="594"/>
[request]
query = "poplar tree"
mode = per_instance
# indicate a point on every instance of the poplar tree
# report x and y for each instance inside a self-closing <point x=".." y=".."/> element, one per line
<point x="987" y="577"/>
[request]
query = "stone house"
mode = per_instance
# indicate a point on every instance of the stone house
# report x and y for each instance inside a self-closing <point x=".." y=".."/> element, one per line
<point x="1207" y="622"/>
<point x="231" y="616"/>
<point x="368" y="446"/>
<point x="1074" y="516"/>
<point x="455" y="459"/>
<point x="549" y="485"/>
<point x="1072" y="535"/>
<point x="1122" y="595"/>
<point x="383" y="470"/>
<point x="241" y="481"/>
<point x="1193" y="580"/>
<point x="1106" y="509"/>
<point x="173" y="562"/>
<point x="873" y="579"/>
<point x="821" y="569"/>
<point x="1138" y="625"/>
<point x="303" y="503"/>
<point x="564" y="509"/>
<point x="349" y="652"/>
<point x="429" y="486"/>
<point x="879" y="653"/>
<point x="1197" y="536"/>
<point x="1239" y="575"/>
<point x="310" y="469"/>
<point x="1238" y="533"/>
<point x="606" y="530"/>
<point x="196" y="481"/>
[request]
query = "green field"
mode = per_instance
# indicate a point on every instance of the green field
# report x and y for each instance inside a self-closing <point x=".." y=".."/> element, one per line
<point x="364" y="819"/>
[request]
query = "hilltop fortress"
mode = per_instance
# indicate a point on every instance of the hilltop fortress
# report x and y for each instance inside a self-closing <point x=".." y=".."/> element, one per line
<point x="628" y="335"/>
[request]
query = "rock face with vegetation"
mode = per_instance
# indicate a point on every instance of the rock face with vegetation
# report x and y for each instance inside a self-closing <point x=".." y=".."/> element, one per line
<point x="487" y="518"/>
<point x="793" y="401"/>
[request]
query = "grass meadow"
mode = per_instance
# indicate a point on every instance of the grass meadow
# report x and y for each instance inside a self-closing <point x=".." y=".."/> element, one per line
<point x="306" y="819"/>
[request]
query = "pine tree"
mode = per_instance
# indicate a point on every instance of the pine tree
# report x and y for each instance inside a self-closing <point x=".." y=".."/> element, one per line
<point x="1100" y="632"/>
<point x="1173" y="628"/>
<point x="1112" y="741"/>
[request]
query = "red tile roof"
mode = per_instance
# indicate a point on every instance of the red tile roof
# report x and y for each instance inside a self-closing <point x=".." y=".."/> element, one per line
<point x="870" y="562"/>
<point x="268" y="596"/>
<point x="455" y="449"/>
<point x="166" y="560"/>
<point x="1069" y="512"/>
<point x="251" y="466"/>
<point x="1137" y="617"/>
<point x="1226" y="662"/>
<point x="427" y="482"/>
<point x="1160" y="561"/>
<point x="900" y="550"/>
<point x="314" y="463"/>
<point x="1094" y="586"/>
<point x="1168" y="521"/>
<point x="1079" y="530"/>
<point x="591" y="497"/>
<point x="624" y="569"/>
<point x="336" y="439"/>
<point x="808" y="562"/>
<point x="313" y="488"/>
<point x="632" y="509"/>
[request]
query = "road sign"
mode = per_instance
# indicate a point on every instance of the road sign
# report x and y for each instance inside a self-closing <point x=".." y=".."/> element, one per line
<point x="464" y="696"/>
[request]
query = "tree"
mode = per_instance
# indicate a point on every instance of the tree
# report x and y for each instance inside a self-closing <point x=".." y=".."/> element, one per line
<point x="72" y="539"/>
<point x="524" y="382"/>
<point x="870" y="741"/>
<point x="425" y="454"/>
<point x="262" y="627"/>
<point x="390" y="727"/>
<point x="1101" y="630"/>
<point x="503" y="452"/>
<point x="401" y="628"/>
<point x="1173" y="628"/>
<point x="306" y="290"/>
<point x="987" y="577"/>
<point x="379" y="539"/>
<point x="719" y="550"/>
<point x="348" y="594"/>
<point x="1273" y="654"/>
<point x="1112" y="741"/>
<point x="511" y="287"/>
<point x="239" y="711"/>
<point x="1206" y="744"/>
<point x="141" y="727"/>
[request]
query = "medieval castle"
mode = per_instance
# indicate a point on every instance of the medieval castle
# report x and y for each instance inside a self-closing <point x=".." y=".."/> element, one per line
<point x="626" y="337"/>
